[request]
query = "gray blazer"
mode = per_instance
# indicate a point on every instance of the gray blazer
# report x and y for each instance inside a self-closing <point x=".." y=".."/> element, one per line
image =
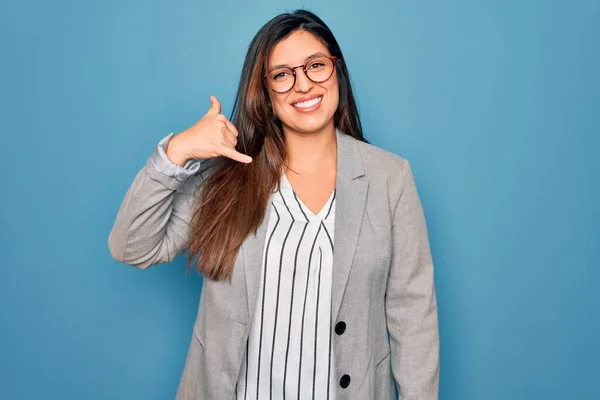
<point x="383" y="286"/>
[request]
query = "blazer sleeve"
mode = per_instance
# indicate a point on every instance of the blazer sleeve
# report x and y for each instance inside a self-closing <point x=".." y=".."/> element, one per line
<point x="411" y="309"/>
<point x="152" y="223"/>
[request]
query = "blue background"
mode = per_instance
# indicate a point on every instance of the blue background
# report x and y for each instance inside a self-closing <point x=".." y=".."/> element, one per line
<point x="495" y="104"/>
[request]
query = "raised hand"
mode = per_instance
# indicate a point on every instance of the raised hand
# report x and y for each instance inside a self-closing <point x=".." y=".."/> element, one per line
<point x="212" y="136"/>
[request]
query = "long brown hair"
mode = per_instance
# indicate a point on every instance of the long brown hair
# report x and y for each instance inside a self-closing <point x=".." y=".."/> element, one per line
<point x="233" y="198"/>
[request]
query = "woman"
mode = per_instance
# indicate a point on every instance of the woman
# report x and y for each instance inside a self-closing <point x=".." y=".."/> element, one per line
<point x="260" y="204"/>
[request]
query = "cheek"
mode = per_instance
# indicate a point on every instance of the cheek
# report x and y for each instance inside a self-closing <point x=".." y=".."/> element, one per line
<point x="335" y="100"/>
<point x="333" y="91"/>
<point x="279" y="104"/>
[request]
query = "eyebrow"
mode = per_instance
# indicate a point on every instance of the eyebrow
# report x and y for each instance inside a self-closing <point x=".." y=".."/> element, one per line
<point x="315" y="55"/>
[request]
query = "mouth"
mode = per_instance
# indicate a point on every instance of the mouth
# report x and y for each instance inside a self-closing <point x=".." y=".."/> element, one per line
<point x="308" y="105"/>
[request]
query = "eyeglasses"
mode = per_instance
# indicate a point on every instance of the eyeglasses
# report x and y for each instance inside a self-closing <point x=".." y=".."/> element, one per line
<point x="318" y="70"/>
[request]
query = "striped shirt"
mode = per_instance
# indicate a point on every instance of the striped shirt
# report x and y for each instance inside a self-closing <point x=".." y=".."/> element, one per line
<point x="289" y="354"/>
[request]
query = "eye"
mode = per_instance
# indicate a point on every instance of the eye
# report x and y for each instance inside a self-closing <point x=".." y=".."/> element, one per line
<point x="280" y="75"/>
<point x="316" y="65"/>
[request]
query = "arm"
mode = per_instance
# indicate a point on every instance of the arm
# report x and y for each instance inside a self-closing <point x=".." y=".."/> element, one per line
<point x="152" y="223"/>
<point x="411" y="308"/>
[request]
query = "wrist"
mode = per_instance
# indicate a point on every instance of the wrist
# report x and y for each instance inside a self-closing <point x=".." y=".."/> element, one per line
<point x="175" y="153"/>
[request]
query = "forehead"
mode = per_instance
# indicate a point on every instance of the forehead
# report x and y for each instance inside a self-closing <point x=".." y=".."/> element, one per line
<point x="295" y="48"/>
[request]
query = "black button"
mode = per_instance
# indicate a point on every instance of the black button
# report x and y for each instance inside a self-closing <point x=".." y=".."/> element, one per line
<point x="340" y="327"/>
<point x="345" y="381"/>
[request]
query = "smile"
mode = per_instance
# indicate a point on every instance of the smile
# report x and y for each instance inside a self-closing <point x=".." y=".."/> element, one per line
<point x="308" y="103"/>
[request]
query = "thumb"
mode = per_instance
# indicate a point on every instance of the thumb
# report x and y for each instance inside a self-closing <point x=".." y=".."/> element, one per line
<point x="215" y="106"/>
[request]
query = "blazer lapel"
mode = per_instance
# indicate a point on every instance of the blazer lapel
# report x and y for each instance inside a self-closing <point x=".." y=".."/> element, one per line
<point x="253" y="248"/>
<point x="351" y="195"/>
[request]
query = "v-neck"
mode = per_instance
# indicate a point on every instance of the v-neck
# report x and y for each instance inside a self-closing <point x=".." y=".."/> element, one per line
<point x="321" y="215"/>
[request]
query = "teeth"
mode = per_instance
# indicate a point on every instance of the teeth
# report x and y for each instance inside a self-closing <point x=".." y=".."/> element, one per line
<point x="308" y="103"/>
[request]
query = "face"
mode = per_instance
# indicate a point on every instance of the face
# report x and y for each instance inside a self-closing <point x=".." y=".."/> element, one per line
<point x="308" y="107"/>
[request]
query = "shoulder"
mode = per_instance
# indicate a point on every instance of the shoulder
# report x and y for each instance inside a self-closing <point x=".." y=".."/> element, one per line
<point x="379" y="161"/>
<point x="386" y="172"/>
<point x="359" y="156"/>
<point x="382" y="168"/>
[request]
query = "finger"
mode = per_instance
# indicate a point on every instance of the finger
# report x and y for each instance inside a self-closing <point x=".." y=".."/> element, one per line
<point x="231" y="127"/>
<point x="215" y="107"/>
<point x="234" y="155"/>
<point x="230" y="137"/>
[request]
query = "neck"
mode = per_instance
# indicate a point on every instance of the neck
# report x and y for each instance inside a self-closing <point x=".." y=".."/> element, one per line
<point x="311" y="152"/>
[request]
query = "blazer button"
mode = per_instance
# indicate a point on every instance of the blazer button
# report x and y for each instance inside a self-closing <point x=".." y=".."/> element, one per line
<point x="340" y="327"/>
<point x="345" y="381"/>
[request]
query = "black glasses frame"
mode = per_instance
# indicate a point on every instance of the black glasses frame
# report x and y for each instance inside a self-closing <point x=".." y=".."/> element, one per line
<point x="333" y="59"/>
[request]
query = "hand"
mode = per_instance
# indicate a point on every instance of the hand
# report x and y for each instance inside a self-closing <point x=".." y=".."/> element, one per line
<point x="212" y="136"/>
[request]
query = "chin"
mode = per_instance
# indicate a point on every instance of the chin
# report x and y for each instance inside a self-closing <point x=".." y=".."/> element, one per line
<point x="308" y="128"/>
<point x="309" y="125"/>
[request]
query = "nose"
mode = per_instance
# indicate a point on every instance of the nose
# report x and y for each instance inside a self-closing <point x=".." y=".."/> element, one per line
<point x="302" y="84"/>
